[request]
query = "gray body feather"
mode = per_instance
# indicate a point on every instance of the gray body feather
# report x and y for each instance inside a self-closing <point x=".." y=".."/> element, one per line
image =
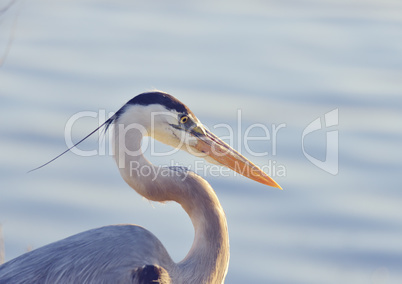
<point x="118" y="252"/>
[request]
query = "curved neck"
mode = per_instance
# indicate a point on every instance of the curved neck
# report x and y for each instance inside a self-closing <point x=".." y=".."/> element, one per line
<point x="208" y="258"/>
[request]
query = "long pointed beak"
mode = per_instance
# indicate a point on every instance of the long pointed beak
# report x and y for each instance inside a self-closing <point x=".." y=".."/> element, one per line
<point x="222" y="153"/>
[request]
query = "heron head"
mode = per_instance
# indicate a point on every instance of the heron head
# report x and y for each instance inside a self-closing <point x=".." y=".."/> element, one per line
<point x="169" y="121"/>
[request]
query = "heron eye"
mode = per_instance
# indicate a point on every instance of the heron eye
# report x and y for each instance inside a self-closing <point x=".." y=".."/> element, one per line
<point x="183" y="119"/>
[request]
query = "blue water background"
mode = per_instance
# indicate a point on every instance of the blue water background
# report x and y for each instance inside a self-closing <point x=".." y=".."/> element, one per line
<point x="275" y="62"/>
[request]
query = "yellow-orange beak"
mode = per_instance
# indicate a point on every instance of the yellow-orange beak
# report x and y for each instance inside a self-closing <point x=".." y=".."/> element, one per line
<point x="222" y="153"/>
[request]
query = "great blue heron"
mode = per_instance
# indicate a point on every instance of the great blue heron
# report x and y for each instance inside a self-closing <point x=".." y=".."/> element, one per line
<point x="130" y="253"/>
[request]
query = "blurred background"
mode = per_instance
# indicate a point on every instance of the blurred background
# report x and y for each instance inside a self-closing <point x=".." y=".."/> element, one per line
<point x="277" y="63"/>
